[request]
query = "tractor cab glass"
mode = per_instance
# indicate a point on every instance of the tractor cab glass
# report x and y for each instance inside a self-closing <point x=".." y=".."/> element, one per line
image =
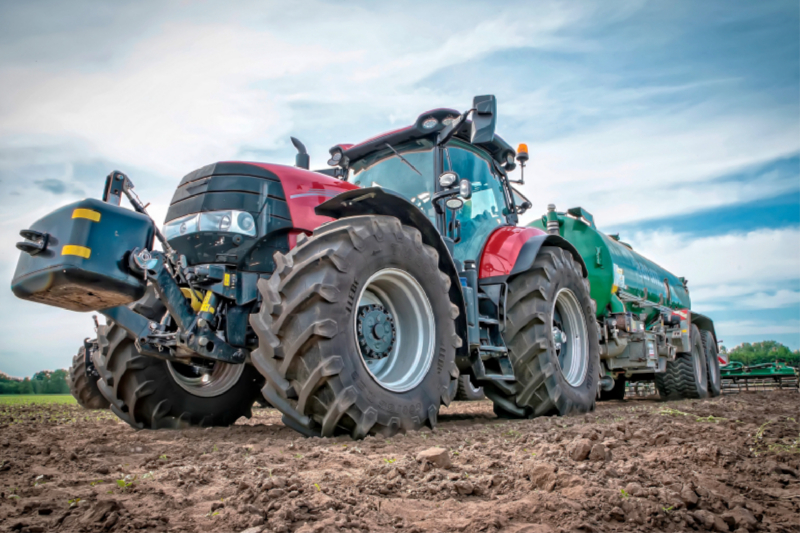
<point x="384" y="168"/>
<point x="484" y="211"/>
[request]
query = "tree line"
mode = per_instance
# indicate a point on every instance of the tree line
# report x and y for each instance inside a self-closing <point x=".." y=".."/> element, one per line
<point x="763" y="352"/>
<point x="44" y="382"/>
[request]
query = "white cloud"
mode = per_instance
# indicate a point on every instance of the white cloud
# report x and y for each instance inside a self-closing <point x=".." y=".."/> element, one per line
<point x="761" y="329"/>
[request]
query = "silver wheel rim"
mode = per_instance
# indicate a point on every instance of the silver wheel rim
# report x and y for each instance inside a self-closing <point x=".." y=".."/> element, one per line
<point x="409" y="359"/>
<point x="572" y="347"/>
<point x="209" y="383"/>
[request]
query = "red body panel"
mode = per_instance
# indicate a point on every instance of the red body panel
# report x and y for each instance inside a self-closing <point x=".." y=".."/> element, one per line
<point x="304" y="191"/>
<point x="502" y="248"/>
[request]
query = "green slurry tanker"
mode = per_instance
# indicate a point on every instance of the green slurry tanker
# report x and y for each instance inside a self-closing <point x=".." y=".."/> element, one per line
<point x="647" y="328"/>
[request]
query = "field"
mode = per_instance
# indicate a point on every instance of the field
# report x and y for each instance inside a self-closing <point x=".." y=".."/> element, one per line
<point x="727" y="464"/>
<point x="41" y="399"/>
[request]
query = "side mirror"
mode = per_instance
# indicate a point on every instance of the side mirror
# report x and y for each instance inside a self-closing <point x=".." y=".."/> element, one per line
<point x="484" y="119"/>
<point x="465" y="189"/>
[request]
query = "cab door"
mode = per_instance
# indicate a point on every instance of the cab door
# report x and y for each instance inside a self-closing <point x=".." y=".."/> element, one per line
<point x="486" y="210"/>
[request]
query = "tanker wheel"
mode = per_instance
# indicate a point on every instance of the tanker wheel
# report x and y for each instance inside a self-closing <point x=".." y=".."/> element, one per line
<point x="616" y="393"/>
<point x="552" y="341"/>
<point x="83" y="386"/>
<point x="467" y="391"/>
<point x="150" y="393"/>
<point x="687" y="375"/>
<point x="357" y="331"/>
<point x="712" y="363"/>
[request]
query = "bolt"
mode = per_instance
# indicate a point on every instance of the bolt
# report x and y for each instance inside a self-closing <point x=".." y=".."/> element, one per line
<point x="201" y="322"/>
<point x="203" y="341"/>
<point x="153" y="326"/>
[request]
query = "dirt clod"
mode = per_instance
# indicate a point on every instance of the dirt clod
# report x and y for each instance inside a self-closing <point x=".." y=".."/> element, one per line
<point x="438" y="457"/>
<point x="580" y="449"/>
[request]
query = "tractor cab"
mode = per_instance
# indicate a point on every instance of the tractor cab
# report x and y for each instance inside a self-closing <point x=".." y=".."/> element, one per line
<point x="454" y="170"/>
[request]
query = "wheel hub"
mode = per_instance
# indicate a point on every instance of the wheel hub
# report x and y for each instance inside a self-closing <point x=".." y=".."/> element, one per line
<point x="376" y="331"/>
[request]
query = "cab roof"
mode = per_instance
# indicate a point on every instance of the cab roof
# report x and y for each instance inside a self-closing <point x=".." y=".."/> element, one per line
<point x="427" y="125"/>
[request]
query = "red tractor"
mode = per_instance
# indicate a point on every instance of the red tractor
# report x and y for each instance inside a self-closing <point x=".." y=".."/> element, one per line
<point x="353" y="297"/>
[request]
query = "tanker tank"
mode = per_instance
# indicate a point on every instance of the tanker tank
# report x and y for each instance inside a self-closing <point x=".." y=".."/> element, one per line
<point x="621" y="279"/>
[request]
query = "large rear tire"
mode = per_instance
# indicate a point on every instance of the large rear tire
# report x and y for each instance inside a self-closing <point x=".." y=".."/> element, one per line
<point x="552" y="341"/>
<point x="687" y="375"/>
<point x="712" y="363"/>
<point x="357" y="331"/>
<point x="83" y="386"/>
<point x="150" y="393"/>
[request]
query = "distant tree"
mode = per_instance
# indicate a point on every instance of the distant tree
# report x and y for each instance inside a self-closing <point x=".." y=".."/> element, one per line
<point x="26" y="387"/>
<point x="44" y="382"/>
<point x="764" y="352"/>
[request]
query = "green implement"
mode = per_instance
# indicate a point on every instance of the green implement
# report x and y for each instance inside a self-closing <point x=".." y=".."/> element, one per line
<point x="737" y="376"/>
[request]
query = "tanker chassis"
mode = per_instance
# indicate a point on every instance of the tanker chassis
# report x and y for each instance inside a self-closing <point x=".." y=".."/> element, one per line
<point x="647" y="329"/>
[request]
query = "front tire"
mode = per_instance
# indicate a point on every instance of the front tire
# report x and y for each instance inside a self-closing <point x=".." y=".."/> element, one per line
<point x="687" y="375"/>
<point x="552" y="341"/>
<point x="467" y="391"/>
<point x="150" y="393"/>
<point x="357" y="331"/>
<point x="83" y="386"/>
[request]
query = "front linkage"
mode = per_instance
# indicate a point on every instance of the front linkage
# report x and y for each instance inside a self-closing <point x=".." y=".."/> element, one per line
<point x="184" y="332"/>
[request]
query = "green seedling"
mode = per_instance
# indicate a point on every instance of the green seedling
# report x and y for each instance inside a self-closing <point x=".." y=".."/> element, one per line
<point x="148" y="475"/>
<point x="39" y="481"/>
<point x="668" y="509"/>
<point x="124" y="484"/>
<point x="211" y="514"/>
<point x="13" y="496"/>
<point x="74" y="502"/>
<point x="624" y="493"/>
<point x="298" y="456"/>
<point x="318" y="487"/>
<point x="214" y="449"/>
<point x="389" y="461"/>
<point x="93" y="483"/>
<point x="163" y="457"/>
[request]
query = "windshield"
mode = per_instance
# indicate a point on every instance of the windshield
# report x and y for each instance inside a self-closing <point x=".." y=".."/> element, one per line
<point x="385" y="169"/>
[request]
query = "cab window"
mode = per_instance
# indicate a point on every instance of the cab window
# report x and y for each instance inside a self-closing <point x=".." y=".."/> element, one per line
<point x="484" y="212"/>
<point x="385" y="169"/>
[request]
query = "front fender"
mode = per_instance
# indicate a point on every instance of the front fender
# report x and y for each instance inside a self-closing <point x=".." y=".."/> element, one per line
<point x="379" y="201"/>
<point x="511" y="250"/>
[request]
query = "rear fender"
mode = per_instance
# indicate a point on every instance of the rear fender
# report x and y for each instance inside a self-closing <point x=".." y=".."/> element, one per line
<point x="511" y="250"/>
<point x="704" y="323"/>
<point x="378" y="201"/>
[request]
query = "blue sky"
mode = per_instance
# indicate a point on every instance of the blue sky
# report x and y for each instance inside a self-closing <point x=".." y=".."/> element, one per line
<point x="675" y="123"/>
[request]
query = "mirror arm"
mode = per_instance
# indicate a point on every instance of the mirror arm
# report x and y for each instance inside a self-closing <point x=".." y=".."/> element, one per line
<point x="446" y="134"/>
<point x="521" y="180"/>
<point x="438" y="197"/>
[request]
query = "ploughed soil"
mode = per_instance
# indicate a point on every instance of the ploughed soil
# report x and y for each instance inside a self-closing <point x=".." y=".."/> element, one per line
<point x="725" y="464"/>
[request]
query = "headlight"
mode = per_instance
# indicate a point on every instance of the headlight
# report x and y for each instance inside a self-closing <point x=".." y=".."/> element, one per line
<point x="240" y="222"/>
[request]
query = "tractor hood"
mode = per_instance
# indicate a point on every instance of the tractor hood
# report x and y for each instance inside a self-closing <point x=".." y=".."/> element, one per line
<point x="241" y="213"/>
